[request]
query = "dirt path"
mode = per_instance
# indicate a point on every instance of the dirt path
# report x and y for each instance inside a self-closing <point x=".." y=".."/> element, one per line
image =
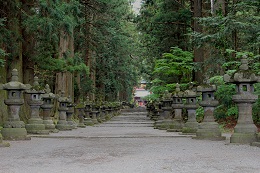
<point x="126" y="144"/>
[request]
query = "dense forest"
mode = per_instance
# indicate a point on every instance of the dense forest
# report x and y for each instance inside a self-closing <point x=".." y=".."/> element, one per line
<point x="102" y="48"/>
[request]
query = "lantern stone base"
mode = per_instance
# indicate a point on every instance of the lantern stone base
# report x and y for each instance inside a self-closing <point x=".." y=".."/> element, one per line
<point x="176" y="126"/>
<point x="72" y="124"/>
<point x="209" y="131"/>
<point x="36" y="126"/>
<point x="257" y="144"/>
<point x="88" y="122"/>
<point x="3" y="144"/>
<point x="243" y="138"/>
<point x="15" y="134"/>
<point x="157" y="124"/>
<point x="190" y="128"/>
<point x="49" y="125"/>
<point x="63" y="125"/>
<point x="107" y="117"/>
<point x="100" y="120"/>
<point x="94" y="120"/>
<point x="165" y="124"/>
<point x="81" y="125"/>
<point x="244" y="134"/>
<point x="36" y="129"/>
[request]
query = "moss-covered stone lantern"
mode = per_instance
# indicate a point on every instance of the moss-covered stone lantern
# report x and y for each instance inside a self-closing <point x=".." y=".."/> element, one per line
<point x="62" y="122"/>
<point x="208" y="129"/>
<point x="245" y="129"/>
<point x="14" y="128"/>
<point x="35" y="123"/>
<point x="47" y="106"/>
<point x="70" y="113"/>
<point x="88" y="121"/>
<point x="167" y="111"/>
<point x="177" y="105"/>
<point x="191" y="126"/>
<point x="94" y="112"/>
<point x="81" y="114"/>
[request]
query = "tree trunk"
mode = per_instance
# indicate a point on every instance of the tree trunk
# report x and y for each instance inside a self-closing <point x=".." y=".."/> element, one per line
<point x="64" y="80"/>
<point x="196" y="7"/>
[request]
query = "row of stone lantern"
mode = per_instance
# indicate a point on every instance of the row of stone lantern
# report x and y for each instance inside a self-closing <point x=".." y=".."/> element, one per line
<point x="171" y="115"/>
<point x="15" y="129"/>
<point x="245" y="131"/>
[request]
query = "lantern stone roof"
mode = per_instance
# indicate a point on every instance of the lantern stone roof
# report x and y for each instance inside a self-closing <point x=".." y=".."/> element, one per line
<point x="14" y="84"/>
<point x="243" y="74"/>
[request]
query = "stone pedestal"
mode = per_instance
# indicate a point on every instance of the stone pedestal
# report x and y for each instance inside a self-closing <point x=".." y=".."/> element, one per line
<point x="103" y="113"/>
<point x="46" y="109"/>
<point x="35" y="123"/>
<point x="167" y="118"/>
<point x="108" y="113"/>
<point x="94" y="117"/>
<point x="191" y="126"/>
<point x="70" y="113"/>
<point x="159" y="120"/>
<point x="208" y="129"/>
<point x="88" y="121"/>
<point x="177" y="105"/>
<point x="81" y="115"/>
<point x="257" y="143"/>
<point x="62" y="122"/>
<point x="95" y="114"/>
<point x="14" y="128"/>
<point x="245" y="130"/>
<point x="3" y="144"/>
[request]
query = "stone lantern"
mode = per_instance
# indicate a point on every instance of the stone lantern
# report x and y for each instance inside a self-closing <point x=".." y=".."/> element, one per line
<point x="46" y="109"/>
<point x="35" y="123"/>
<point x="208" y="129"/>
<point x="81" y="114"/>
<point x="160" y="115"/>
<point x="156" y="111"/>
<point x="14" y="128"/>
<point x="70" y="113"/>
<point x="245" y="130"/>
<point x="94" y="113"/>
<point x="108" y="110"/>
<point x="62" y="122"/>
<point x="191" y="126"/>
<point x="88" y="121"/>
<point x="177" y="105"/>
<point x="167" y="111"/>
<point x="102" y="110"/>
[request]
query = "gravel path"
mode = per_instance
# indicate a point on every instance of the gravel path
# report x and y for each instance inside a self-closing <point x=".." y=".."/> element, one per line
<point x="126" y="144"/>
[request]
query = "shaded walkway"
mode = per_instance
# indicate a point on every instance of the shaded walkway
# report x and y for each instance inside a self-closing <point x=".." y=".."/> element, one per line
<point x="126" y="144"/>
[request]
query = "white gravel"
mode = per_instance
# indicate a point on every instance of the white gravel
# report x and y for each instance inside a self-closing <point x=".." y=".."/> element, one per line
<point x="126" y="145"/>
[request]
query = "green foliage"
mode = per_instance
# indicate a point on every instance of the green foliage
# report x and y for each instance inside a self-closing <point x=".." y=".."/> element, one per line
<point x="162" y="25"/>
<point x="224" y="93"/>
<point x="174" y="67"/>
<point x="47" y="24"/>
<point x="2" y="52"/>
<point x="199" y="114"/>
<point x="177" y="63"/>
<point x="229" y="36"/>
<point x="116" y="49"/>
<point x="152" y="97"/>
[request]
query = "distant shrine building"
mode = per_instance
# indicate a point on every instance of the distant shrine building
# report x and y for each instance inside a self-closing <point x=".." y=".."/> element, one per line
<point x="140" y="92"/>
